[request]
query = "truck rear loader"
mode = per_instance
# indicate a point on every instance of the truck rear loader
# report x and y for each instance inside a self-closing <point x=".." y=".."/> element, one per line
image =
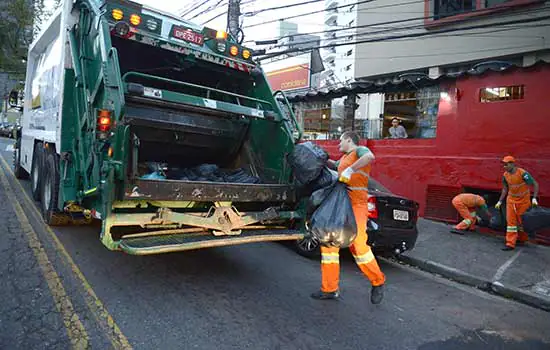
<point x="122" y="102"/>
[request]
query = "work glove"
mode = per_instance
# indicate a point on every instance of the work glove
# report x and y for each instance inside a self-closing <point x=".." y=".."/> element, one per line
<point x="534" y="202"/>
<point x="346" y="175"/>
<point x="498" y="205"/>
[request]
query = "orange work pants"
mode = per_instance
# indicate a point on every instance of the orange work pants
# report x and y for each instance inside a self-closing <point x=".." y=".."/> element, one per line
<point x="468" y="215"/>
<point x="330" y="259"/>
<point x="514" y="228"/>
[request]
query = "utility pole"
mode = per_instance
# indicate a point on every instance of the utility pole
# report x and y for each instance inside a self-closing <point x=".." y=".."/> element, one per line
<point x="233" y="14"/>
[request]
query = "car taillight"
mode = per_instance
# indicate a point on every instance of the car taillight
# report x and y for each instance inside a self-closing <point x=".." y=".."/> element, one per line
<point x="372" y="208"/>
<point x="103" y="123"/>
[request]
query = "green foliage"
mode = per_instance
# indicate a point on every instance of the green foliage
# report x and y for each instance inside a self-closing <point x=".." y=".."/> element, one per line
<point x="16" y="33"/>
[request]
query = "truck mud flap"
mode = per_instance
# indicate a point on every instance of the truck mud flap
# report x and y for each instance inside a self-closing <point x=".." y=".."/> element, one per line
<point x="189" y="241"/>
<point x="173" y="190"/>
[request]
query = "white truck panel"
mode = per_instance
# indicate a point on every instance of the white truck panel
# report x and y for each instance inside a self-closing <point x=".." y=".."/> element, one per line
<point x="41" y="119"/>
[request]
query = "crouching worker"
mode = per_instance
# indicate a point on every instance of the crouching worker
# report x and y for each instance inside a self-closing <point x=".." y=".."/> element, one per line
<point x="353" y="170"/>
<point x="469" y="206"/>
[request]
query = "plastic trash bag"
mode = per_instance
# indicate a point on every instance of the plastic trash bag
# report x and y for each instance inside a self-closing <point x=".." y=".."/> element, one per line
<point x="536" y="219"/>
<point x="333" y="223"/>
<point x="307" y="160"/>
<point x="154" y="176"/>
<point x="317" y="197"/>
<point x="496" y="222"/>
<point x="326" y="178"/>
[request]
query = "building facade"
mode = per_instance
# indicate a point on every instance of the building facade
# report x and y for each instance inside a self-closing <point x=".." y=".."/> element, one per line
<point x="478" y="77"/>
<point x="339" y="24"/>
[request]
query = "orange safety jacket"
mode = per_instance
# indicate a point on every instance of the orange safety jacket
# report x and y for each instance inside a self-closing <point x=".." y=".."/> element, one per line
<point x="518" y="189"/>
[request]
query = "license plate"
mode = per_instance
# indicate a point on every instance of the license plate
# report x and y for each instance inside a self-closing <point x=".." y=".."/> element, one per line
<point x="188" y="35"/>
<point x="401" y="215"/>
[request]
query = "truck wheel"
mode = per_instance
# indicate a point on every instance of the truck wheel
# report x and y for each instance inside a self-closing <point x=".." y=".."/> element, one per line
<point x="19" y="172"/>
<point x="50" y="188"/>
<point x="36" y="170"/>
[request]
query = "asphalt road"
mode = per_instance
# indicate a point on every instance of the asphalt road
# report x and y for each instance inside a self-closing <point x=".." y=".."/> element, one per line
<point x="244" y="297"/>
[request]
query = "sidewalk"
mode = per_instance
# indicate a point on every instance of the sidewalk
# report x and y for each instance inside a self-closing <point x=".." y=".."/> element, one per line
<point x="476" y="259"/>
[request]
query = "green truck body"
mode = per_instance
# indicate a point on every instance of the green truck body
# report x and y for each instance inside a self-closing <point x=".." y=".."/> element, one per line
<point x="112" y="86"/>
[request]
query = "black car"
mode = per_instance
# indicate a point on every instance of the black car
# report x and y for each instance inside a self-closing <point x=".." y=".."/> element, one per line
<point x="391" y="226"/>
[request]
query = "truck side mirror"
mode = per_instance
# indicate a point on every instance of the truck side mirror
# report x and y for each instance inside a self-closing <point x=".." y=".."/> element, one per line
<point x="13" y="98"/>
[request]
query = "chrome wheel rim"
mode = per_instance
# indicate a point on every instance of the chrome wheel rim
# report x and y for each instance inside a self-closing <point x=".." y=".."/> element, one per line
<point x="47" y="193"/>
<point x="35" y="177"/>
<point x="308" y="244"/>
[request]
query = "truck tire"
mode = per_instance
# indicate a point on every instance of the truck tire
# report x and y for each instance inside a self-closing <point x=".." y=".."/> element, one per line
<point x="36" y="170"/>
<point x="50" y="188"/>
<point x="19" y="172"/>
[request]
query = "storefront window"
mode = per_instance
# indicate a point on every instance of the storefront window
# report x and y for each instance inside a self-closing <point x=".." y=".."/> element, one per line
<point x="415" y="111"/>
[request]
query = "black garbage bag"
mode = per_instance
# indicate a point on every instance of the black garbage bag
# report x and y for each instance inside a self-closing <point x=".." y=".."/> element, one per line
<point x="496" y="222"/>
<point x="307" y="160"/>
<point x="241" y="176"/>
<point x="317" y="197"/>
<point x="326" y="178"/>
<point x="536" y="219"/>
<point x="333" y="223"/>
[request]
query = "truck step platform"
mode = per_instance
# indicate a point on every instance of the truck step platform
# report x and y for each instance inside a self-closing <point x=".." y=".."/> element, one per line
<point x="181" y="242"/>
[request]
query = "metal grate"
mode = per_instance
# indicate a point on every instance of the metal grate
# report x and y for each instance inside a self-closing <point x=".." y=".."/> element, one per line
<point x="438" y="203"/>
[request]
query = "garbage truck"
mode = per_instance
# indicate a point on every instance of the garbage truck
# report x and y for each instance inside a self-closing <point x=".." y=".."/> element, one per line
<point x="164" y="130"/>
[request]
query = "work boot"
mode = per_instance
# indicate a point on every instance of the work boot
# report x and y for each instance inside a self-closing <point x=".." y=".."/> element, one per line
<point x="320" y="295"/>
<point x="458" y="232"/>
<point x="508" y="248"/>
<point x="377" y="294"/>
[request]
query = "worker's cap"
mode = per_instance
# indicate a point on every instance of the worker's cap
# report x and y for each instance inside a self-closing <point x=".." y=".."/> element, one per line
<point x="508" y="159"/>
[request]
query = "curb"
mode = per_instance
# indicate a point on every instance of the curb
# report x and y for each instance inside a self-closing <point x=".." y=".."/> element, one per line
<point x="460" y="276"/>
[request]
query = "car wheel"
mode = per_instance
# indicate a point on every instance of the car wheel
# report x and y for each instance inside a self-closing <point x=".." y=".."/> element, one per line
<point x="50" y="189"/>
<point x="308" y="247"/>
<point x="36" y="170"/>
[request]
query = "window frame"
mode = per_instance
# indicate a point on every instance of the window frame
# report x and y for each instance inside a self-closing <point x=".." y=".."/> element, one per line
<point x="481" y="10"/>
<point x="484" y="100"/>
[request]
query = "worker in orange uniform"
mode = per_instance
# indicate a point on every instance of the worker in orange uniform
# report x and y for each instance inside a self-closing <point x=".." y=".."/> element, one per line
<point x="353" y="169"/>
<point x="469" y="206"/>
<point x="516" y="182"/>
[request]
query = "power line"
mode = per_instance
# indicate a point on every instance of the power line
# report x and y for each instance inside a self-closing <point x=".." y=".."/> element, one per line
<point x="193" y="8"/>
<point x="391" y="22"/>
<point x="411" y="35"/>
<point x="212" y="7"/>
<point x="416" y="26"/>
<point x="253" y="13"/>
<point x="311" y="13"/>
<point x="224" y="13"/>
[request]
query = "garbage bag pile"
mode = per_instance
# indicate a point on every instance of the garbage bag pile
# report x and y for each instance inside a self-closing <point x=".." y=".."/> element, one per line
<point x="332" y="220"/>
<point x="536" y="219"/>
<point x="203" y="173"/>
<point x="307" y="160"/>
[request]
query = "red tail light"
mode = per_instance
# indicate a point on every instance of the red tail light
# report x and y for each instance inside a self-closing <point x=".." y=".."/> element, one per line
<point x="104" y="121"/>
<point x="372" y="208"/>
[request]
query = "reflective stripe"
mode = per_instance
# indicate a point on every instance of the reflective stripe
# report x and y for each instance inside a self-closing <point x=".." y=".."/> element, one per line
<point x="330" y="259"/>
<point x="359" y="188"/>
<point x="364" y="259"/>
<point x="467" y="221"/>
<point x="511" y="229"/>
<point x="362" y="173"/>
<point x="473" y="214"/>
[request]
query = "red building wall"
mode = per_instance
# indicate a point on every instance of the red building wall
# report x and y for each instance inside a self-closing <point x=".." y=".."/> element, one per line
<point x="472" y="137"/>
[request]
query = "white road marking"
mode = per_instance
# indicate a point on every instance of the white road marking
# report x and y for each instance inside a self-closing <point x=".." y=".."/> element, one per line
<point x="501" y="270"/>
